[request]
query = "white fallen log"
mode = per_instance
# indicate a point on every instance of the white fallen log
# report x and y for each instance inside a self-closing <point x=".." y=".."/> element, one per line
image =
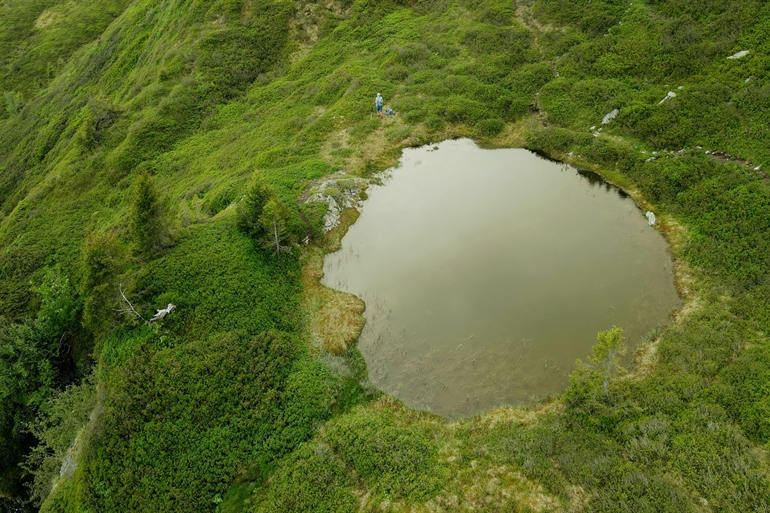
<point x="740" y="55"/>
<point x="671" y="94"/>
<point x="160" y="314"/>
<point x="610" y="116"/>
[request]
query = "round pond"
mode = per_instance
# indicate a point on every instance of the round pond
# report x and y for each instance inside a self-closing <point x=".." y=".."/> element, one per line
<point x="487" y="273"/>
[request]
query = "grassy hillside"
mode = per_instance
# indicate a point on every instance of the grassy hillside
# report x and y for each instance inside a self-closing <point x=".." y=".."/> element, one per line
<point x="133" y="143"/>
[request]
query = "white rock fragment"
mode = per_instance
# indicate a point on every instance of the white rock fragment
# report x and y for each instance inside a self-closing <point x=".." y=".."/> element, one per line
<point x="740" y="55"/>
<point x="160" y="314"/>
<point x="650" y="218"/>
<point x="610" y="116"/>
<point x="671" y="94"/>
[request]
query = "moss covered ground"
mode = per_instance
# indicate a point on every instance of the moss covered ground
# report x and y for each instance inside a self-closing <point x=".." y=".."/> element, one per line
<point x="129" y="134"/>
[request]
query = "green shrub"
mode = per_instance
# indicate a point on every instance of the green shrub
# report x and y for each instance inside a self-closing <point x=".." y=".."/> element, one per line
<point x="394" y="459"/>
<point x="434" y="123"/>
<point x="555" y="100"/>
<point x="312" y="215"/>
<point x="489" y="127"/>
<point x="398" y="133"/>
<point x="235" y="56"/>
<point x="60" y="422"/>
<point x="749" y="400"/>
<point x="490" y="39"/>
<point x="458" y="109"/>
<point x="34" y="363"/>
<point x="311" y="479"/>
<point x="220" y="198"/>
<point x="550" y="140"/>
<point x="211" y="406"/>
<point x="59" y="303"/>
<point x="592" y="17"/>
<point x="13" y="102"/>
<point x="715" y="457"/>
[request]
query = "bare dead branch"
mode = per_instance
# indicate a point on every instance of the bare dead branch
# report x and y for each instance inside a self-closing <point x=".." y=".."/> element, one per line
<point x="128" y="308"/>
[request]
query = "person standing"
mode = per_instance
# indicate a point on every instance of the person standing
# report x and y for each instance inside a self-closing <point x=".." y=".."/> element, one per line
<point x="378" y="104"/>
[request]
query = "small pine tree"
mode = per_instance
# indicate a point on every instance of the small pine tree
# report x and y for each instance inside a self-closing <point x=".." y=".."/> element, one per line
<point x="604" y="360"/>
<point x="606" y="355"/>
<point x="273" y="222"/>
<point x="146" y="218"/>
<point x="100" y="262"/>
<point x="253" y="204"/>
<point x="588" y="396"/>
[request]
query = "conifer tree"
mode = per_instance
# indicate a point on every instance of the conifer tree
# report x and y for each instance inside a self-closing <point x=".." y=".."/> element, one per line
<point x="607" y="353"/>
<point x="146" y="218"/>
<point x="252" y="205"/>
<point x="588" y="398"/>
<point x="100" y="265"/>
<point x="273" y="222"/>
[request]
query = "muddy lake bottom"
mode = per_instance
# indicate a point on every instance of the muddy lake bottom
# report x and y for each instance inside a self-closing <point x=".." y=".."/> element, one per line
<point x="487" y="273"/>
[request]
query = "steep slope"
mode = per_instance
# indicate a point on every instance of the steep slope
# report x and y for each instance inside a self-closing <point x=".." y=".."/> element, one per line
<point x="192" y="98"/>
<point x="38" y="37"/>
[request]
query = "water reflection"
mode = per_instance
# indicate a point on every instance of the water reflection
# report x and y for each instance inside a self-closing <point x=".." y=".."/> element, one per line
<point x="597" y="180"/>
<point x="486" y="273"/>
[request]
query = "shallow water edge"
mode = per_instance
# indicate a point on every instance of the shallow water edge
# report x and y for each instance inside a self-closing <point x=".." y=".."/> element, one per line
<point x="423" y="360"/>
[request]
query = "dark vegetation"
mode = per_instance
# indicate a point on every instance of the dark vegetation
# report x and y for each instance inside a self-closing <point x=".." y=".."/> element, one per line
<point x="148" y="150"/>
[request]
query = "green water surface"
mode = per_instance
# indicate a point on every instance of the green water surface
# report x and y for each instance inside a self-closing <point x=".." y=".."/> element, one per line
<point x="487" y="273"/>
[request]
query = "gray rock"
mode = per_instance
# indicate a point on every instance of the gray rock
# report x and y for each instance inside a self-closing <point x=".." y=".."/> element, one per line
<point x="338" y="192"/>
<point x="740" y="55"/>
<point x="609" y="117"/>
<point x="650" y="218"/>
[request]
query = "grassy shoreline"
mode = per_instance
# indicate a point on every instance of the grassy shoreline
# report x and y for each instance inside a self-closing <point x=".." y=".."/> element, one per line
<point x="527" y="492"/>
